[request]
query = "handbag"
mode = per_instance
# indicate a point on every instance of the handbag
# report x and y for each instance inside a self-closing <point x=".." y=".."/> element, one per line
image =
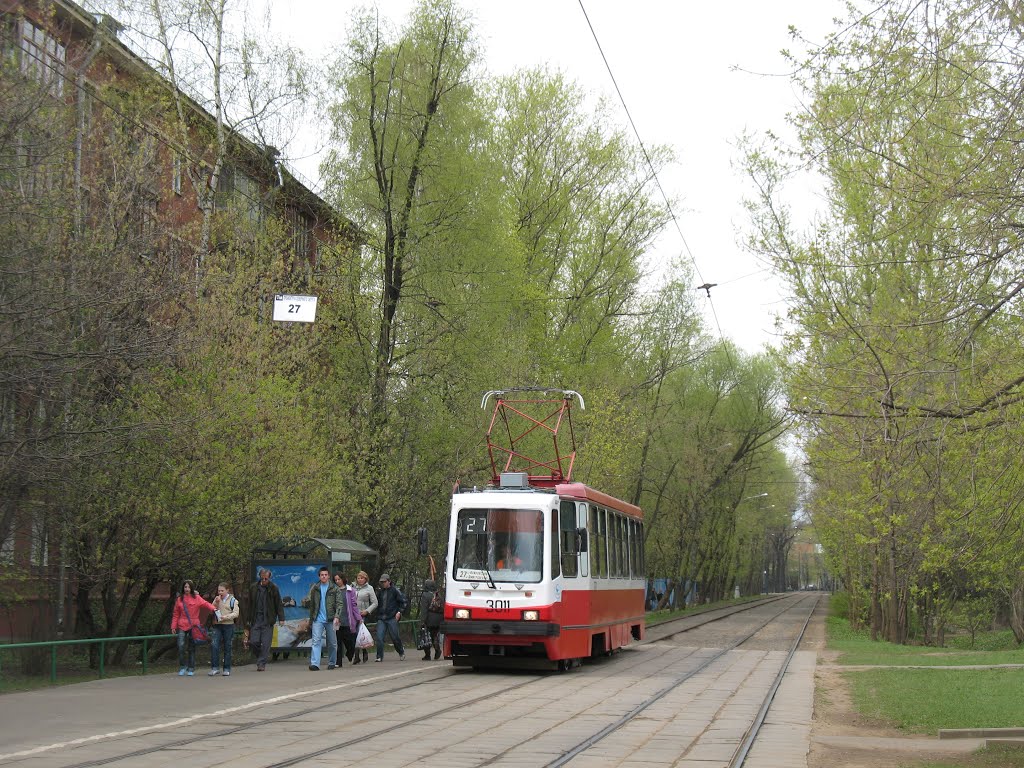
<point x="423" y="640"/>
<point x="198" y="631"/>
<point x="363" y="638"/>
<point x="200" y="635"/>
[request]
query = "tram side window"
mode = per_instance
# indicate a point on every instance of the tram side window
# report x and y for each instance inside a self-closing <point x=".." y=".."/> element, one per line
<point x="620" y="523"/>
<point x="556" y="562"/>
<point x="598" y="543"/>
<point x="621" y="544"/>
<point x="605" y="551"/>
<point x="567" y="538"/>
<point x="640" y="548"/>
<point x="606" y="537"/>
<point x="641" y="566"/>
<point x="634" y="566"/>
<point x="613" y="541"/>
<point x="643" y="552"/>
<point x="634" y="562"/>
<point x="627" y="530"/>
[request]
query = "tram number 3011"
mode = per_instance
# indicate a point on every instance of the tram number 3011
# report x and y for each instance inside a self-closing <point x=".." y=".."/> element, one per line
<point x="499" y="605"/>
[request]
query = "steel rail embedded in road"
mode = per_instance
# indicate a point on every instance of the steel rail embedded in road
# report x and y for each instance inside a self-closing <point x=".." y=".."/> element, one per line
<point x="623" y="665"/>
<point x="740" y="757"/>
<point x="372" y="693"/>
<point x="583" y="746"/>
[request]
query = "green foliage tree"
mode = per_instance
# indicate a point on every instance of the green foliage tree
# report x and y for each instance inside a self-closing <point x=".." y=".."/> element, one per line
<point x="903" y="362"/>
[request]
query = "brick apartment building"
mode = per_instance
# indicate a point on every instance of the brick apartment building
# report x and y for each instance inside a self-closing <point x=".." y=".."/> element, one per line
<point x="75" y="57"/>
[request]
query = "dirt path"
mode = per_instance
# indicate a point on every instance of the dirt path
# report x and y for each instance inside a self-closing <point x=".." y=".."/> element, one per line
<point x="842" y="737"/>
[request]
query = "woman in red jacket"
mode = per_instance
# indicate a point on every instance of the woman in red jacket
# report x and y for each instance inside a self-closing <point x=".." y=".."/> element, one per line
<point x="187" y="614"/>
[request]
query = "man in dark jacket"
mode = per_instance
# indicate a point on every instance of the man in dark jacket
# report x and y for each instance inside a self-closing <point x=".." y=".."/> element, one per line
<point x="431" y="613"/>
<point x="264" y="606"/>
<point x="390" y="605"/>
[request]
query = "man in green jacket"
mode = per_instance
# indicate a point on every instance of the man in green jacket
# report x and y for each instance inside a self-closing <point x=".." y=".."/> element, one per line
<point x="324" y="604"/>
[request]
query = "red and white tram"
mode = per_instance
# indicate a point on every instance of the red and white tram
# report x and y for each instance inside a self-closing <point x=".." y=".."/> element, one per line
<point x="541" y="572"/>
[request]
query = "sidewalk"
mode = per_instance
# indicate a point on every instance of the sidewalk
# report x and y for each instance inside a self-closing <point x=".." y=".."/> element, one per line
<point x="63" y="716"/>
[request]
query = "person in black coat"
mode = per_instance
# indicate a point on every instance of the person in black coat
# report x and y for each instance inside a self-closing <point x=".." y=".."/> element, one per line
<point x="264" y="606"/>
<point x="431" y="613"/>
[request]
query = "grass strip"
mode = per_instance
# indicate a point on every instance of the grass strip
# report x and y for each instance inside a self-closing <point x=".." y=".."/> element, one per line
<point x="923" y="700"/>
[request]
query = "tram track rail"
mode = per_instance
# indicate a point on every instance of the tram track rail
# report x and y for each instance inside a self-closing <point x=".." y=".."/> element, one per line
<point x="740" y="755"/>
<point x="349" y="703"/>
<point x="588" y="743"/>
<point x="397" y="726"/>
<point x="451" y="673"/>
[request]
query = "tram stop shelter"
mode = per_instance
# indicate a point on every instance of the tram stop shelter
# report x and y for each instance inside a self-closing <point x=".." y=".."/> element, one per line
<point x="294" y="565"/>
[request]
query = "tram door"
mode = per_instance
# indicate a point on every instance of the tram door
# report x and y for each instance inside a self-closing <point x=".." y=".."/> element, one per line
<point x="581" y="524"/>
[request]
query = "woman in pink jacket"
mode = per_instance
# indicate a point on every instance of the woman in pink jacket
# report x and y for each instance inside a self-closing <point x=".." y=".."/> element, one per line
<point x="187" y="614"/>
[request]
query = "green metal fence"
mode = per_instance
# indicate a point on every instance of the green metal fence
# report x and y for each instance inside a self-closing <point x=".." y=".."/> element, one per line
<point x="102" y="642"/>
<point x="408" y="629"/>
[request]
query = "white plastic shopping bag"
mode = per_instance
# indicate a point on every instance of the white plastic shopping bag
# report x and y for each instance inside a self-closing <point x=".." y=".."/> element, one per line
<point x="363" y="639"/>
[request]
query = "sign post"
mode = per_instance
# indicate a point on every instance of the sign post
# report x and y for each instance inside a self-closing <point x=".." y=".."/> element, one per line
<point x="294" y="309"/>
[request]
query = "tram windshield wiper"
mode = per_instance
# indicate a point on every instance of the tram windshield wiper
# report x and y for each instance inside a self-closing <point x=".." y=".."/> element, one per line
<point x="490" y="579"/>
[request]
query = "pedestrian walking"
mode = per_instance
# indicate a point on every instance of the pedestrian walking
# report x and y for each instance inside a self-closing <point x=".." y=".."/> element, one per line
<point x="350" y="619"/>
<point x="324" y="602"/>
<point x="187" y="621"/>
<point x="264" y="606"/>
<point x="366" y="602"/>
<point x="431" y="613"/>
<point x="390" y="605"/>
<point x="222" y="633"/>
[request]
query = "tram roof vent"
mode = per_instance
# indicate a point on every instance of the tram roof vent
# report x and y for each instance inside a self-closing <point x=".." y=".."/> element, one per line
<point x="514" y="480"/>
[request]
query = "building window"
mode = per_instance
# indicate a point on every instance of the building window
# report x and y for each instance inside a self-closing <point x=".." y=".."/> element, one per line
<point x="238" y="191"/>
<point x="7" y="548"/>
<point x="176" y="168"/>
<point x="39" y="166"/>
<point x="302" y="235"/>
<point x="40" y="552"/>
<point x="145" y="225"/>
<point x="42" y="57"/>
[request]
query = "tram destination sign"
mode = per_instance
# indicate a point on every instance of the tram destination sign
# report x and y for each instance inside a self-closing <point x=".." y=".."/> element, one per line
<point x="471" y="574"/>
<point x="294" y="309"/>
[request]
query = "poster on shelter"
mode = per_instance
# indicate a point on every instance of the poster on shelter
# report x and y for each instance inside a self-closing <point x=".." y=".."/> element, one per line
<point x="293" y="580"/>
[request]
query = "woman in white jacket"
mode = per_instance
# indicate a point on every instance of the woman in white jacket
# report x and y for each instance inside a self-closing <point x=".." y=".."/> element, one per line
<point x="366" y="602"/>
<point x="222" y="632"/>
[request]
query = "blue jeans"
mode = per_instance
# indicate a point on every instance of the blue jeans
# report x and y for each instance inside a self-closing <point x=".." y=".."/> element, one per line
<point x="186" y="650"/>
<point x="221" y="635"/>
<point x="389" y="626"/>
<point x="319" y="629"/>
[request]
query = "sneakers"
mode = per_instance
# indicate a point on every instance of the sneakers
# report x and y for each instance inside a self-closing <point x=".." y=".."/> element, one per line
<point x="331" y="666"/>
<point x="261" y="667"/>
<point x="427" y="657"/>
<point x="213" y="672"/>
<point x="314" y="668"/>
<point x="227" y="673"/>
<point x="191" y="673"/>
<point x="378" y="660"/>
<point x="401" y="657"/>
<point x="181" y="672"/>
<point x="356" y="660"/>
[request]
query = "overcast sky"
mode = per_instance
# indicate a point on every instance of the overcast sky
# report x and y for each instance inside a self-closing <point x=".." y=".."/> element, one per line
<point x="684" y="71"/>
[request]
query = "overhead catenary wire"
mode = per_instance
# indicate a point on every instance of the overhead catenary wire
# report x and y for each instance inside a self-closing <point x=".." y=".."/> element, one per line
<point x="657" y="180"/>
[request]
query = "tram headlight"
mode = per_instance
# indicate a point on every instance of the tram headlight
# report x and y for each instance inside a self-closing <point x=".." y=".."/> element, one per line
<point x="531" y="615"/>
<point x="462" y="613"/>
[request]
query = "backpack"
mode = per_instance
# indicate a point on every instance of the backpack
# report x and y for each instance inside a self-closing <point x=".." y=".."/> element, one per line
<point x="436" y="603"/>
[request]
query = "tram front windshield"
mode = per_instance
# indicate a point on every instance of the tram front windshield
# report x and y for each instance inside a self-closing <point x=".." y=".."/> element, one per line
<point x="500" y="545"/>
